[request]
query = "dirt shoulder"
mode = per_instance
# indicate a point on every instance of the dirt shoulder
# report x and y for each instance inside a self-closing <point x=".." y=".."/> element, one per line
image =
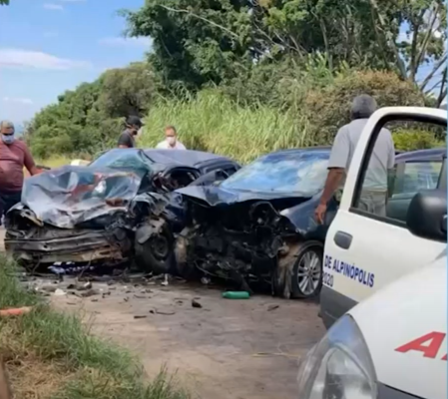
<point x="241" y="349"/>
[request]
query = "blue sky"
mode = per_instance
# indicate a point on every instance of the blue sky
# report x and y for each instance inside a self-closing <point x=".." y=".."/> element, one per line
<point x="49" y="46"/>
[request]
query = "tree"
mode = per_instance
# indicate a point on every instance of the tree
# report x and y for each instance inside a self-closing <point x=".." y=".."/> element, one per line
<point x="127" y="91"/>
<point x="424" y="43"/>
<point x="200" y="42"/>
<point x="89" y="118"/>
<point x="196" y="41"/>
<point x="4" y="2"/>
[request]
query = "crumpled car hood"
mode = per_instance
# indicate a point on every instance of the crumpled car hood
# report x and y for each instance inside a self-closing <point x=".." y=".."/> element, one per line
<point x="216" y="195"/>
<point x="72" y="195"/>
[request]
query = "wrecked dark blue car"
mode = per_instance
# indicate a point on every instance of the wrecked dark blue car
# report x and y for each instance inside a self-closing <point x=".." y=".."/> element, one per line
<point x="92" y="214"/>
<point x="259" y="223"/>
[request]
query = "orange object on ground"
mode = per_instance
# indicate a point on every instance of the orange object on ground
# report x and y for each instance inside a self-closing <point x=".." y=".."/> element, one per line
<point x="15" y="311"/>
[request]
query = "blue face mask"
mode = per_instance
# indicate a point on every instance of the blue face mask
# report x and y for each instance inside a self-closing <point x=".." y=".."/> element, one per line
<point x="8" y="138"/>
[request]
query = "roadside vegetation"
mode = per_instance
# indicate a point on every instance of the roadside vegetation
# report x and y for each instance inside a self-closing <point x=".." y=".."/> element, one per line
<point x="243" y="78"/>
<point x="52" y="355"/>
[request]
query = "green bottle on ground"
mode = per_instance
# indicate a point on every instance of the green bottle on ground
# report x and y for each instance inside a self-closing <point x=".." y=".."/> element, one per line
<point x="236" y="295"/>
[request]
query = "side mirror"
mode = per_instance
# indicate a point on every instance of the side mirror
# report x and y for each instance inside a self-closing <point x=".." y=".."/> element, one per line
<point x="427" y="215"/>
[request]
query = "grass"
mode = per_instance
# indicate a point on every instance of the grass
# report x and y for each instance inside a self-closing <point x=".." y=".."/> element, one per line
<point x="214" y="123"/>
<point x="54" y="162"/>
<point x="50" y="355"/>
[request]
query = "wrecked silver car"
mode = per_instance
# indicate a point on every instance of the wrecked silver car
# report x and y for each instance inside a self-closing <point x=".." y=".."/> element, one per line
<point x="91" y="214"/>
<point x="259" y="224"/>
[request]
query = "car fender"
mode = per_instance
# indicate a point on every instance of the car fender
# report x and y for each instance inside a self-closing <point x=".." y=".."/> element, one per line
<point x="302" y="217"/>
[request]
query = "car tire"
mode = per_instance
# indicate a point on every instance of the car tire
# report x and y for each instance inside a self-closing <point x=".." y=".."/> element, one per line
<point x="156" y="254"/>
<point x="307" y="271"/>
<point x="184" y="268"/>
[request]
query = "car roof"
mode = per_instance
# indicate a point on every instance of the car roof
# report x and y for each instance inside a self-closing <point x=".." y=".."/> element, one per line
<point x="433" y="154"/>
<point x="189" y="158"/>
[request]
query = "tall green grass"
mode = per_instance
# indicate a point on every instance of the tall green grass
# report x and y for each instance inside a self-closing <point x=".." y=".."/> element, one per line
<point x="212" y="122"/>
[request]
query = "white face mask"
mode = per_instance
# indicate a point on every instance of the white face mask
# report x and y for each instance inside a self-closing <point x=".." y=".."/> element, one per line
<point x="171" y="140"/>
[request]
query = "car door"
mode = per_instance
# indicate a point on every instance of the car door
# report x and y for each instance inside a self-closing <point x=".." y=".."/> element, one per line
<point x="364" y="251"/>
<point x="412" y="177"/>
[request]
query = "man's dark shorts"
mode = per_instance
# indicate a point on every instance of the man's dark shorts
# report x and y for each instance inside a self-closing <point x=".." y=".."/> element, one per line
<point x="8" y="200"/>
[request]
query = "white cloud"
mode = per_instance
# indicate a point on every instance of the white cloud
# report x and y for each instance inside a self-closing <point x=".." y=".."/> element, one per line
<point x="126" y="41"/>
<point x="52" y="6"/>
<point x="17" y="58"/>
<point x="25" y="101"/>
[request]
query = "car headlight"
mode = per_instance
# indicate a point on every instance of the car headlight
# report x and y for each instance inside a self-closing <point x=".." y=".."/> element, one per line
<point x="339" y="366"/>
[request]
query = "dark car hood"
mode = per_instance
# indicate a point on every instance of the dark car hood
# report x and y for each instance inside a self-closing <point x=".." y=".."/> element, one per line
<point x="216" y="195"/>
<point x="72" y="195"/>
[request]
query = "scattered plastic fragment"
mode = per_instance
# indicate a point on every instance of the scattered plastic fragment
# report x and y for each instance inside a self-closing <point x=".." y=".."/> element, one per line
<point x="15" y="311"/>
<point x="236" y="295"/>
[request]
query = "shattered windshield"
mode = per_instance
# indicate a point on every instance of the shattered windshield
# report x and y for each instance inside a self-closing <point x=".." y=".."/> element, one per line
<point x="302" y="172"/>
<point x="124" y="159"/>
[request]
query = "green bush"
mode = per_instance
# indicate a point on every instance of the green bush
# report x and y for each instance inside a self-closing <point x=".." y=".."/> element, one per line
<point x="297" y="107"/>
<point x="413" y="139"/>
<point x="328" y="108"/>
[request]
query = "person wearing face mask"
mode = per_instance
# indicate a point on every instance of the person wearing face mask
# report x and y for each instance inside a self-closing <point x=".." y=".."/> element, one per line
<point x="170" y="142"/>
<point x="127" y="138"/>
<point x="14" y="157"/>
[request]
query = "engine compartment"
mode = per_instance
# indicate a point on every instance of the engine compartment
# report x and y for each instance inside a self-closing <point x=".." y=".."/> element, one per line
<point x="233" y="241"/>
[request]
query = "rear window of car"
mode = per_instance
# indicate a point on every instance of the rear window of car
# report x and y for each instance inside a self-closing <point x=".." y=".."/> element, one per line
<point x="123" y="159"/>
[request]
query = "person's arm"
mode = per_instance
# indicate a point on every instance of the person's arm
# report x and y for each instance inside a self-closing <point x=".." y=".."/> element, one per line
<point x="124" y="141"/>
<point x="336" y="165"/>
<point x="28" y="162"/>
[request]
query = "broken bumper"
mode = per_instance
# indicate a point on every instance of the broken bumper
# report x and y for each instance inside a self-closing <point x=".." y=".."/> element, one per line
<point x="85" y="247"/>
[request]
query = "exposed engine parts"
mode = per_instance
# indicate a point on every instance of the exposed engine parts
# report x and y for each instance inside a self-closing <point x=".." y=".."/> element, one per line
<point x="233" y="242"/>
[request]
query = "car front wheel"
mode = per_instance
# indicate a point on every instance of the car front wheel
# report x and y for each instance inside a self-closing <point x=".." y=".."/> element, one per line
<point x="156" y="254"/>
<point x="307" y="271"/>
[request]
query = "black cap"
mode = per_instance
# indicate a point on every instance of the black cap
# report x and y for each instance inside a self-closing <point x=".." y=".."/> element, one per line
<point x="134" y="121"/>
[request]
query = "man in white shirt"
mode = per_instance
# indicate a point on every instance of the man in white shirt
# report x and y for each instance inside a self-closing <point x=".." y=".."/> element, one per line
<point x="374" y="192"/>
<point x="170" y="142"/>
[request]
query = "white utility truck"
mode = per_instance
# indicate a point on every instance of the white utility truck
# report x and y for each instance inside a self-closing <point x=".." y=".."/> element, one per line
<point x="390" y="346"/>
<point x="365" y="252"/>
